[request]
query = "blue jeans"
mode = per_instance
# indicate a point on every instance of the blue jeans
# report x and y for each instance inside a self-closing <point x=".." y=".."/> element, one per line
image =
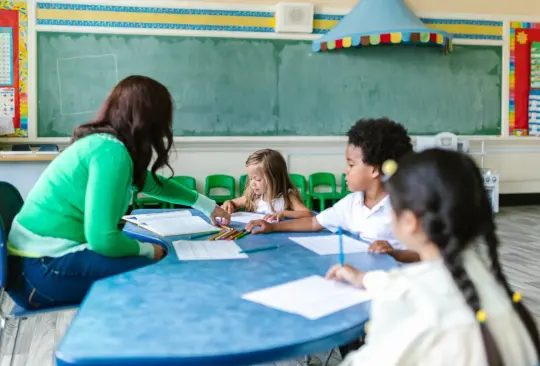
<point x="36" y="283"/>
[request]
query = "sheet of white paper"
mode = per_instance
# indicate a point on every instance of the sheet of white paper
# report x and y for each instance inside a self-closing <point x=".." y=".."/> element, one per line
<point x="245" y="217"/>
<point x="203" y="250"/>
<point x="329" y="244"/>
<point x="179" y="226"/>
<point x="159" y="216"/>
<point x="311" y="297"/>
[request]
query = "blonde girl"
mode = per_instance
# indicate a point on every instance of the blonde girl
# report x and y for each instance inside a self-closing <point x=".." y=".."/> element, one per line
<point x="269" y="189"/>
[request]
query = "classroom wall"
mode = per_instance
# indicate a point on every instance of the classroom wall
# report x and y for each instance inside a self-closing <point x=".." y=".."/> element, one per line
<point x="501" y="7"/>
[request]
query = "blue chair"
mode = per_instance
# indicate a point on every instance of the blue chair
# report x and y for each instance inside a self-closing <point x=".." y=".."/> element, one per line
<point x="21" y="147"/>
<point x="10" y="204"/>
<point x="40" y="147"/>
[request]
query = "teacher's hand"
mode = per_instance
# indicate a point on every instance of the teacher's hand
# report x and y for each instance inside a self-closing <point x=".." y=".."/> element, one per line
<point x="159" y="252"/>
<point x="224" y="216"/>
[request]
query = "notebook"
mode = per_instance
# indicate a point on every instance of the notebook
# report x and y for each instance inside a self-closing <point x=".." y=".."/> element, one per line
<point x="172" y="223"/>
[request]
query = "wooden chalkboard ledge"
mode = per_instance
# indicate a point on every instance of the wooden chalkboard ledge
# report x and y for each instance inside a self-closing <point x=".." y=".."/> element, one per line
<point x="26" y="157"/>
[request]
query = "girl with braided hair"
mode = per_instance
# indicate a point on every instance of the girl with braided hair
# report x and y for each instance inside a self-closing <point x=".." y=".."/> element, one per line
<point x="454" y="307"/>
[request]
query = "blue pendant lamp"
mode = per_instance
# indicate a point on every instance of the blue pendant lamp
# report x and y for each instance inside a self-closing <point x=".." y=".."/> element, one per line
<point x="373" y="22"/>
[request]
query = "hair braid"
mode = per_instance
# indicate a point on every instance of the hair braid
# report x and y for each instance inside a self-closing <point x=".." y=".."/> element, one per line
<point x="526" y="318"/>
<point x="452" y="256"/>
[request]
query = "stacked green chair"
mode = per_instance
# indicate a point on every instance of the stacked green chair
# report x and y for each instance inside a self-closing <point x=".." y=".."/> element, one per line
<point x="186" y="181"/>
<point x="242" y="182"/>
<point x="300" y="182"/>
<point x="225" y="182"/>
<point x="323" y="180"/>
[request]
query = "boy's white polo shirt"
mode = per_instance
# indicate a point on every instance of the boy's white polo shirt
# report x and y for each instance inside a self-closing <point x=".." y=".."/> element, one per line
<point x="350" y="214"/>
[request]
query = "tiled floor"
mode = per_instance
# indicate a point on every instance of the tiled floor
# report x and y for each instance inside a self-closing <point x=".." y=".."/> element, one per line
<point x="32" y="341"/>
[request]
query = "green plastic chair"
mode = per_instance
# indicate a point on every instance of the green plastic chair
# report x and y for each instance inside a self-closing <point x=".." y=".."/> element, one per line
<point x="300" y="182"/>
<point x="141" y="201"/>
<point x="344" y="190"/>
<point x="220" y="181"/>
<point x="323" y="179"/>
<point x="186" y="181"/>
<point x="242" y="182"/>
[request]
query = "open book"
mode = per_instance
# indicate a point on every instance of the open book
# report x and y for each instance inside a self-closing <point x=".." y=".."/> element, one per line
<point x="171" y="223"/>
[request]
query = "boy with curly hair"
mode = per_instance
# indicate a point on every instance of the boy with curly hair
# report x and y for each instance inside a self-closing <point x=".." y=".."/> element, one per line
<point x="366" y="211"/>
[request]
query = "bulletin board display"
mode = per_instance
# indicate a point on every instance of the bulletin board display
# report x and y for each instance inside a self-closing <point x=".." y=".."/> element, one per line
<point x="523" y="96"/>
<point x="13" y="69"/>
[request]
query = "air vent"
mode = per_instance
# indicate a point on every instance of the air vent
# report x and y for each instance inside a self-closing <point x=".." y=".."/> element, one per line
<point x="294" y="17"/>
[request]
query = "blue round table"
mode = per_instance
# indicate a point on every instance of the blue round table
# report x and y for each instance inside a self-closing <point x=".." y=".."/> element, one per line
<point x="191" y="312"/>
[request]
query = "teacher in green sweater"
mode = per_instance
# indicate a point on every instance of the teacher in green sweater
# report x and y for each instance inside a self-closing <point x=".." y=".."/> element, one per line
<point x="66" y="235"/>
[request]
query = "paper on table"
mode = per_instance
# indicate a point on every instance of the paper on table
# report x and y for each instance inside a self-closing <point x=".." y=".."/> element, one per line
<point x="157" y="216"/>
<point x="311" y="297"/>
<point x="203" y="250"/>
<point x="245" y="217"/>
<point x="329" y="244"/>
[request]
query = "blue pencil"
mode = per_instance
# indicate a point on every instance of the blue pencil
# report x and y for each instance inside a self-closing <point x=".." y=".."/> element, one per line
<point x="341" y="256"/>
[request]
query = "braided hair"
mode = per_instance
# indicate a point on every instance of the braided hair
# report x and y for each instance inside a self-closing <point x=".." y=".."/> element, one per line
<point x="445" y="190"/>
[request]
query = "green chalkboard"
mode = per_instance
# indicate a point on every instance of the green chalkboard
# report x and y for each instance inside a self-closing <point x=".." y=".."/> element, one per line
<point x="253" y="87"/>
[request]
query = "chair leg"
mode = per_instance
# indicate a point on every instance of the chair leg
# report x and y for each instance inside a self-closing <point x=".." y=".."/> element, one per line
<point x="323" y="204"/>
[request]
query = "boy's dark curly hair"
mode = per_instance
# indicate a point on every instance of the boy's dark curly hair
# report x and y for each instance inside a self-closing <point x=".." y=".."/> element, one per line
<point x="380" y="139"/>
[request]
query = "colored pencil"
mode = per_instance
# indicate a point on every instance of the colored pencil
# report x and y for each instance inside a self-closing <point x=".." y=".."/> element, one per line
<point x="228" y="235"/>
<point x="341" y="256"/>
<point x="200" y="235"/>
<point x="237" y="235"/>
<point x="260" y="249"/>
<point x="244" y="233"/>
<point x="217" y="235"/>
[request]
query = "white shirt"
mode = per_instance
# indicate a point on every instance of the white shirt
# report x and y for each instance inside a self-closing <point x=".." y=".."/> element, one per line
<point x="419" y="317"/>
<point x="263" y="207"/>
<point x="350" y="214"/>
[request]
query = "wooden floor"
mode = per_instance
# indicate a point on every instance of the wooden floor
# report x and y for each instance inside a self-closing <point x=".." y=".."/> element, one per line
<point x="32" y="341"/>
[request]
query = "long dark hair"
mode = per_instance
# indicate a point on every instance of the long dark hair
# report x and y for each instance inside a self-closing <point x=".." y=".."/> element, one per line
<point x="138" y="112"/>
<point x="445" y="190"/>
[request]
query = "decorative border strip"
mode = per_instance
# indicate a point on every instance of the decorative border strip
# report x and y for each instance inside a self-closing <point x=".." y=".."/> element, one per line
<point x="22" y="131"/>
<point x="76" y="15"/>
<point x="512" y="76"/>
<point x="459" y="28"/>
<point x="82" y="15"/>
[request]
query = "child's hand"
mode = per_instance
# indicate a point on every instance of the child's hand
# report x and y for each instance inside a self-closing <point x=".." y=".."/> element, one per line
<point x="223" y="216"/>
<point x="263" y="227"/>
<point x="275" y="217"/>
<point x="229" y="207"/>
<point x="380" y="247"/>
<point x="346" y="273"/>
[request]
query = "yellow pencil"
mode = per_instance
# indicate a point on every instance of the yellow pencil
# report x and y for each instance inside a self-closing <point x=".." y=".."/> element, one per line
<point x="228" y="235"/>
<point x="214" y="237"/>
<point x="236" y="235"/>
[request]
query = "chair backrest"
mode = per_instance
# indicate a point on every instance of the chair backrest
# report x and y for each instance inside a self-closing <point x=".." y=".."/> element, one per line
<point x="220" y="181"/>
<point x="322" y="179"/>
<point x="186" y="181"/>
<point x="344" y="190"/>
<point x="299" y="181"/>
<point x="242" y="183"/>
<point x="10" y="204"/>
<point x="21" y="147"/>
<point x="3" y="255"/>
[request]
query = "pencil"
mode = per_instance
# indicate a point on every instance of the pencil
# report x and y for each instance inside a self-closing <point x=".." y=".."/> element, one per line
<point x="217" y="235"/>
<point x="259" y="249"/>
<point x="229" y="235"/>
<point x="237" y="235"/>
<point x="200" y="235"/>
<point x="244" y="233"/>
<point x="226" y="233"/>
